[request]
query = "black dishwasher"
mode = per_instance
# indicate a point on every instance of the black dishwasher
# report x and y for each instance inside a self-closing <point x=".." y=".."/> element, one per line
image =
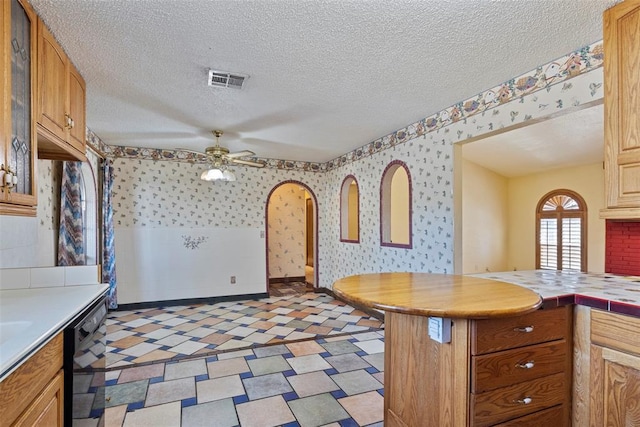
<point x="84" y="366"/>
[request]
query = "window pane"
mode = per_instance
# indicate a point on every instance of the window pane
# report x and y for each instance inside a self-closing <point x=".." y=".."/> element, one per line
<point x="561" y="200"/>
<point x="571" y="244"/>
<point x="548" y="243"/>
<point x="20" y="147"/>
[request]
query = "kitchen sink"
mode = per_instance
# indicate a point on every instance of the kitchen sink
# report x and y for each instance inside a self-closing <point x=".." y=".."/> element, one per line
<point x="9" y="330"/>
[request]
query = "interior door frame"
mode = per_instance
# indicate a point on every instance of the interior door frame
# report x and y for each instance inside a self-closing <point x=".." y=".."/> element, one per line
<point x="309" y="223"/>
<point x="314" y="200"/>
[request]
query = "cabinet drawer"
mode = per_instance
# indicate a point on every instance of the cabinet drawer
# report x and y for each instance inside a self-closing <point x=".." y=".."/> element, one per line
<point x="511" y="332"/>
<point x="546" y="417"/>
<point x="506" y="403"/>
<point x="508" y="367"/>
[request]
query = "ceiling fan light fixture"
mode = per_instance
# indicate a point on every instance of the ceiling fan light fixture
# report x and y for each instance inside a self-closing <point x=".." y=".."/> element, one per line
<point x="228" y="175"/>
<point x="218" y="174"/>
<point x="213" y="174"/>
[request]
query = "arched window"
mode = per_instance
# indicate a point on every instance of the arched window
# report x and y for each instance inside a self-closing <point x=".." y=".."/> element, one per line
<point x="561" y="228"/>
<point x="89" y="203"/>
<point x="350" y="210"/>
<point x="395" y="206"/>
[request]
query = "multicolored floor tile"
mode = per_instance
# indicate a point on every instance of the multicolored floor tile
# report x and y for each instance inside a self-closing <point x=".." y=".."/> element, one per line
<point x="332" y="377"/>
<point x="160" y="334"/>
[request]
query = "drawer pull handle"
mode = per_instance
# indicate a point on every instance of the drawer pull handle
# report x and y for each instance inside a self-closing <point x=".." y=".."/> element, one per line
<point x="527" y="365"/>
<point x="525" y="329"/>
<point x="525" y="401"/>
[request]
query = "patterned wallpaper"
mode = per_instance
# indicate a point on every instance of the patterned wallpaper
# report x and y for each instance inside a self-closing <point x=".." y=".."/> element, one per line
<point x="151" y="193"/>
<point x="48" y="209"/>
<point x="431" y="168"/>
<point x="430" y="161"/>
<point x="287" y="230"/>
<point x="171" y="194"/>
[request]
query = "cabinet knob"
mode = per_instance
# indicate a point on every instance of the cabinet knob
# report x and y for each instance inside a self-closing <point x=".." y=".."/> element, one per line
<point x="524" y="401"/>
<point x="527" y="365"/>
<point x="525" y="329"/>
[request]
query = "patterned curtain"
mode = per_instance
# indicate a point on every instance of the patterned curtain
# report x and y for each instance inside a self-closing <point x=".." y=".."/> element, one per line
<point x="70" y="238"/>
<point x="108" y="247"/>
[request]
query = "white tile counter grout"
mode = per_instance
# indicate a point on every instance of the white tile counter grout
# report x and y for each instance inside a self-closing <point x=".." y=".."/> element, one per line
<point x="46" y="277"/>
<point x="600" y="290"/>
<point x="36" y="315"/>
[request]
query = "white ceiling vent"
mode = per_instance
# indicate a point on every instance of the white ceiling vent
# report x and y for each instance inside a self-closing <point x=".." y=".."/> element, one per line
<point x="226" y="79"/>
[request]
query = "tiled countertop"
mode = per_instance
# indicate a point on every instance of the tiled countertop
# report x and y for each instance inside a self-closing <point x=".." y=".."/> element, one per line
<point x="619" y="294"/>
<point x="30" y="317"/>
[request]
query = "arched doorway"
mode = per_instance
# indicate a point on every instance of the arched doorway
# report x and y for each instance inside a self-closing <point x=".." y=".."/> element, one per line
<point x="291" y="219"/>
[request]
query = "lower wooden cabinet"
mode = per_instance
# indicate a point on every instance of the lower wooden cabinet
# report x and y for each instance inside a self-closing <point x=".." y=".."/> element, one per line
<point x="521" y="366"/>
<point x="32" y="395"/>
<point x="513" y="371"/>
<point x="546" y="417"/>
<point x="47" y="409"/>
<point x="517" y="400"/>
<point x="615" y="369"/>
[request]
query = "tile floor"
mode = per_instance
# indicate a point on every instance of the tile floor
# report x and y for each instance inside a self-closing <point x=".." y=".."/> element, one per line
<point x="322" y="365"/>
<point x="292" y="288"/>
<point x="160" y="334"/>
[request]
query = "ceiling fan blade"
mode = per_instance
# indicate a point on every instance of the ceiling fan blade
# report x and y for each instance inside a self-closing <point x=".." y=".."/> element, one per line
<point x="248" y="163"/>
<point x="244" y="153"/>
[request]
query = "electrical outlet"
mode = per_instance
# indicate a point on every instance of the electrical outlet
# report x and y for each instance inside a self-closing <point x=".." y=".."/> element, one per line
<point x="233" y="280"/>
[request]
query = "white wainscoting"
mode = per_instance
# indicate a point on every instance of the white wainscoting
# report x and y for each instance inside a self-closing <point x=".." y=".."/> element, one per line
<point x="156" y="264"/>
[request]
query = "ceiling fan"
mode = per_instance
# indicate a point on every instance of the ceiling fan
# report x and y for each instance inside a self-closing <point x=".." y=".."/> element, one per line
<point x="220" y="158"/>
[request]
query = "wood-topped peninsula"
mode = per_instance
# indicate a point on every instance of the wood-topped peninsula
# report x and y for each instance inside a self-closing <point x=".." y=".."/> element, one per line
<point x="506" y="362"/>
<point x="439" y="295"/>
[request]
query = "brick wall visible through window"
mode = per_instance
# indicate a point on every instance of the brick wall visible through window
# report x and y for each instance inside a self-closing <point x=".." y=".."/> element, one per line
<point x="622" y="254"/>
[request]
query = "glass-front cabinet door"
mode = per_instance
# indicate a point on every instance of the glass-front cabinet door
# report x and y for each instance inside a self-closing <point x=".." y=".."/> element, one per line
<point x="18" y="147"/>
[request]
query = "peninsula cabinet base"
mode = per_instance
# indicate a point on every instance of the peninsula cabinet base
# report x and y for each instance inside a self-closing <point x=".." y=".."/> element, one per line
<point x="522" y="379"/>
<point x="426" y="383"/>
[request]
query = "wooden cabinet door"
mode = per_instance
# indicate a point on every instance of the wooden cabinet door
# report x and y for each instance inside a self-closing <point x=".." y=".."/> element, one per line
<point x="615" y="388"/>
<point x="77" y="97"/>
<point x="53" y="84"/>
<point x="47" y="410"/>
<point x="622" y="104"/>
<point x="17" y="130"/>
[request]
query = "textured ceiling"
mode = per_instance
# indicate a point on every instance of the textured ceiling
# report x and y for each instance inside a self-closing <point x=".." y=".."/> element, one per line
<point x="325" y="76"/>
<point x="568" y="140"/>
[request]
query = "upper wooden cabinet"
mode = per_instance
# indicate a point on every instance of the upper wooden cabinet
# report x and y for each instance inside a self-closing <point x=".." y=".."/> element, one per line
<point x="622" y="110"/>
<point x="61" y="102"/>
<point x="18" y="36"/>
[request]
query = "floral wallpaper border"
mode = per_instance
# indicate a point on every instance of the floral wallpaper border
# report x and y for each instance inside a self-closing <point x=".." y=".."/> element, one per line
<point x="571" y="65"/>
